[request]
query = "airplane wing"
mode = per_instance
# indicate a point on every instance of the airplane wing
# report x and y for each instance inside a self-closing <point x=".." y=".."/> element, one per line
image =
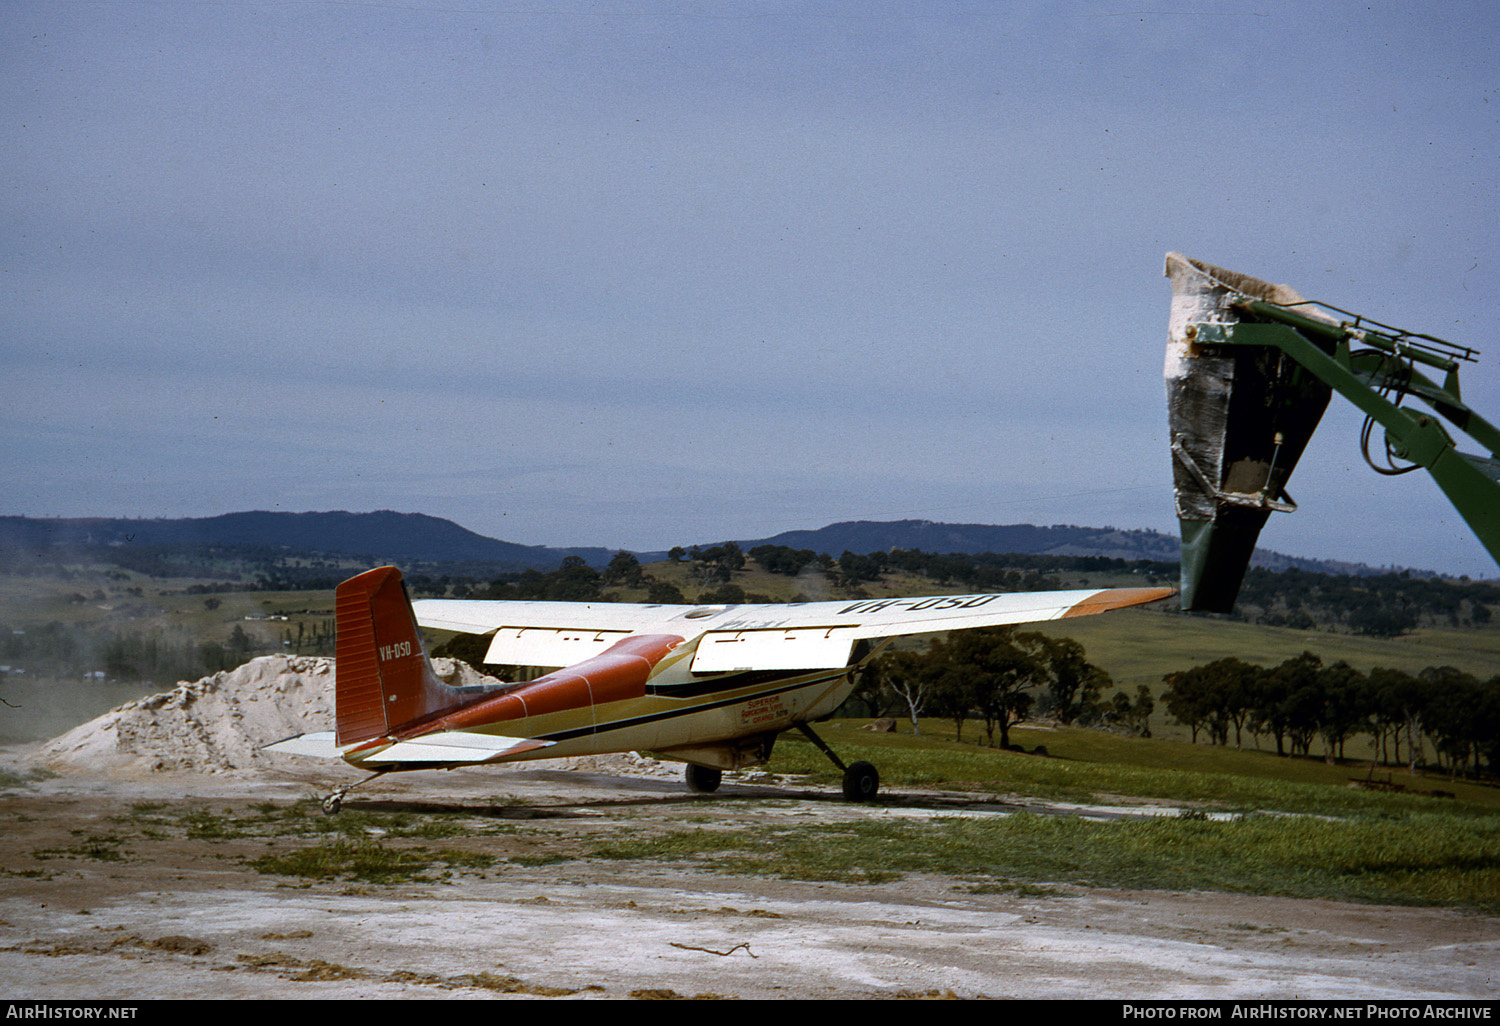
<point x="803" y="635"/>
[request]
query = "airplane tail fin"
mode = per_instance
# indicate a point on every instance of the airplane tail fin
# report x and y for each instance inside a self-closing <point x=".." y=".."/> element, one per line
<point x="383" y="678"/>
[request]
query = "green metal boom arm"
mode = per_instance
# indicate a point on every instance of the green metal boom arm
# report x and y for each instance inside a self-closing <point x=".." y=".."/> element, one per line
<point x="1471" y="483"/>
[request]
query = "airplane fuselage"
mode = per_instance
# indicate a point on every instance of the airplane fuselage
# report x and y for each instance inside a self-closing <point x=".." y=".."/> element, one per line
<point x="647" y="698"/>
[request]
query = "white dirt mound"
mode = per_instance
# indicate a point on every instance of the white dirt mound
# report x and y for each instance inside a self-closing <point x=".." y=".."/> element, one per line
<point x="219" y="724"/>
<point x="211" y="725"/>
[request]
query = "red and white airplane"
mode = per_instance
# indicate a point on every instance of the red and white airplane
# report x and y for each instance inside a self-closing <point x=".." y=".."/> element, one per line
<point x="711" y="686"/>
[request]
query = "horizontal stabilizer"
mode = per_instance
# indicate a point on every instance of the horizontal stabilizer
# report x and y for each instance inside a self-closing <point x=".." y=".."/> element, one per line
<point x="455" y="746"/>
<point x="320" y="745"/>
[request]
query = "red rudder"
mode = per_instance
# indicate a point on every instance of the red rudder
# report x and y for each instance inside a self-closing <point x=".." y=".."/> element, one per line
<point x="383" y="678"/>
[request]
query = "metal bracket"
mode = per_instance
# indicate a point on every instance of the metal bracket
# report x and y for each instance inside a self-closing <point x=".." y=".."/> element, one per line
<point x="1254" y="500"/>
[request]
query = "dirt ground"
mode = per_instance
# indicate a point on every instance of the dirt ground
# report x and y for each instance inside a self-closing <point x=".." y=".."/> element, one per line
<point x="96" y="902"/>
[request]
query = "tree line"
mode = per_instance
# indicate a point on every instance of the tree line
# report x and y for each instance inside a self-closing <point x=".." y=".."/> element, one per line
<point x="712" y="568"/>
<point x="1379" y="605"/>
<point x="999" y="676"/>
<point x="1303" y="700"/>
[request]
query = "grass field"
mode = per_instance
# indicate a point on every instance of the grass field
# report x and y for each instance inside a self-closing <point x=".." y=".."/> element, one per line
<point x="1247" y="822"/>
<point x="1139" y="646"/>
<point x="1082" y="765"/>
<point x="1411" y="859"/>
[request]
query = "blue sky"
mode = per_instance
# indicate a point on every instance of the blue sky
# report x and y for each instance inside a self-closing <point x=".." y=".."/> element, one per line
<point x="645" y="274"/>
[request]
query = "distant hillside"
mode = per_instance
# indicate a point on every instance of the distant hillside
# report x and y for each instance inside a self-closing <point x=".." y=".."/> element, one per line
<point x="408" y="538"/>
<point x="864" y="536"/>
<point x="384" y="535"/>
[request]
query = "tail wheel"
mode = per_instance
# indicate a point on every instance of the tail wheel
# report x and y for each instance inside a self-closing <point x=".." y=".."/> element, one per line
<point x="703" y="779"/>
<point x="861" y="782"/>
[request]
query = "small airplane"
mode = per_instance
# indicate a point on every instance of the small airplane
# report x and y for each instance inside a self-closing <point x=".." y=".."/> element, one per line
<point x="708" y="685"/>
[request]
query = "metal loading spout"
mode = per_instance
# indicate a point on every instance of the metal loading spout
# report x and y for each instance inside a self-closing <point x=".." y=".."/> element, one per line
<point x="1240" y="418"/>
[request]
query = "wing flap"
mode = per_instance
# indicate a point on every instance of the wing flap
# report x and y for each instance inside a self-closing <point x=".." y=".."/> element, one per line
<point x="446" y="747"/>
<point x="811" y="648"/>
<point x="539" y="646"/>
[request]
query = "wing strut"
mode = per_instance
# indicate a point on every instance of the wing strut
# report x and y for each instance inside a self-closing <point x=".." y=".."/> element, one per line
<point x="861" y="781"/>
<point x="822" y="747"/>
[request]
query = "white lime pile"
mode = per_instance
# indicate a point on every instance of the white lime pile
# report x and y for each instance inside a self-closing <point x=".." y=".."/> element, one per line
<point x="213" y="725"/>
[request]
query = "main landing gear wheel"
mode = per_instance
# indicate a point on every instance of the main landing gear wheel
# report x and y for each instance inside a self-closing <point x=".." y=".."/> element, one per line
<point x="703" y="779"/>
<point x="861" y="781"/>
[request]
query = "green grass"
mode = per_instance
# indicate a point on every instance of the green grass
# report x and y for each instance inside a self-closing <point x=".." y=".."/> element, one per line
<point x="1411" y="859"/>
<point x="1090" y="766"/>
<point x="94" y="847"/>
<point x="1310" y="838"/>
<point x="357" y="845"/>
<point x="368" y="861"/>
<point x="1294" y="827"/>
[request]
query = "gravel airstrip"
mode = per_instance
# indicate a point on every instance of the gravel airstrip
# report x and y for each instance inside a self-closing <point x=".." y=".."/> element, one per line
<point x="125" y="879"/>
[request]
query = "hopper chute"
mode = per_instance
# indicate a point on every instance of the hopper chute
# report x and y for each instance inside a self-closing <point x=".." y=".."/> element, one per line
<point x="1250" y="369"/>
<point x="1240" y="418"/>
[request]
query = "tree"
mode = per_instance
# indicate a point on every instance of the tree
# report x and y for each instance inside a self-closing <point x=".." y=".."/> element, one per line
<point x="574" y="581"/>
<point x="1283" y="701"/>
<point x="854" y="568"/>
<point x="1007" y="663"/>
<point x="728" y="556"/>
<point x="1137" y="715"/>
<point x="664" y="593"/>
<point x="1301" y="699"/>
<point x="1401" y="700"/>
<point x="782" y="559"/>
<point x="239" y="642"/>
<point x="715" y="565"/>
<point x="1201" y="698"/>
<point x="1452" y="699"/>
<point x="724" y="595"/>
<point x="1074" y="681"/>
<point x="1487" y="723"/>
<point x="1345" y="701"/>
<point x="624" y="568"/>
<point x="912" y="677"/>
<point x="955" y="688"/>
